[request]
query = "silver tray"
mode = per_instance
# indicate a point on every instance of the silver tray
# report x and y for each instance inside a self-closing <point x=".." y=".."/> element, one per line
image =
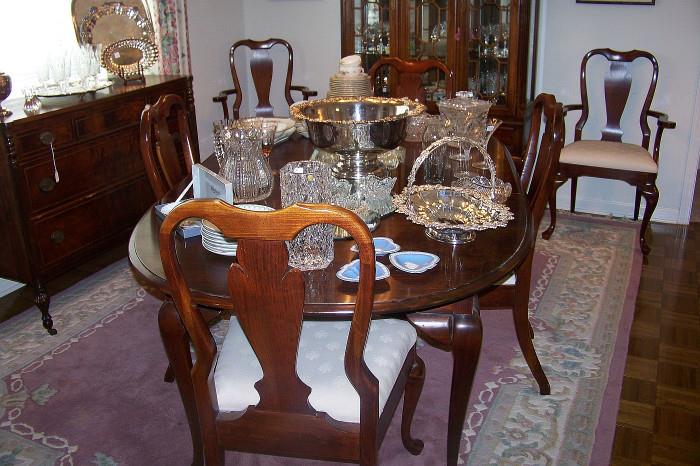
<point x="129" y="57"/>
<point x="113" y="22"/>
<point x="81" y="8"/>
<point x="55" y="91"/>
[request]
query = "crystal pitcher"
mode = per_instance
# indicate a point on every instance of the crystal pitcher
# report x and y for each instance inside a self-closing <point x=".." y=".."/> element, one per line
<point x="238" y="149"/>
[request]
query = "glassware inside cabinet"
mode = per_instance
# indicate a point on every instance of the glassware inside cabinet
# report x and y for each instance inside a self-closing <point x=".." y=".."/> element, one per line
<point x="427" y="29"/>
<point x="428" y="40"/>
<point x="489" y="49"/>
<point x="371" y="30"/>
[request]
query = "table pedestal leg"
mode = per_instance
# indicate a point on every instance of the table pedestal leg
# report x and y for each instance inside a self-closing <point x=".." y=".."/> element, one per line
<point x="456" y="328"/>
<point x="177" y="347"/>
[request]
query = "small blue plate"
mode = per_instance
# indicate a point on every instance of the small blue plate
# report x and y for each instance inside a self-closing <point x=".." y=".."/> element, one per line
<point x="351" y="272"/>
<point x="414" y="261"/>
<point x="382" y="246"/>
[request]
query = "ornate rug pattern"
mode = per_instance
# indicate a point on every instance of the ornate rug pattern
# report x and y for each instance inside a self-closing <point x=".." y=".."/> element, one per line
<point x="94" y="393"/>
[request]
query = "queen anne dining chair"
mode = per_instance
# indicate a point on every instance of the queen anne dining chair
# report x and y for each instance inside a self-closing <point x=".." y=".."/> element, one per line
<point x="166" y="145"/>
<point x="456" y="327"/>
<point x="410" y="78"/>
<point x="610" y="157"/>
<point x="542" y="153"/>
<point x="281" y="385"/>
<point x="261" y="71"/>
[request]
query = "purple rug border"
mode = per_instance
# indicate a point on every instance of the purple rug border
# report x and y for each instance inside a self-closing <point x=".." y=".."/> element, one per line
<point x="604" y="436"/>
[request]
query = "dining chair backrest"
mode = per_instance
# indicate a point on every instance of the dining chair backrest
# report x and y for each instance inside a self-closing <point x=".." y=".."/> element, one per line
<point x="260" y="57"/>
<point x="268" y="298"/>
<point x="409" y="76"/>
<point x="544" y="144"/>
<point x="166" y="145"/>
<point x="617" y="85"/>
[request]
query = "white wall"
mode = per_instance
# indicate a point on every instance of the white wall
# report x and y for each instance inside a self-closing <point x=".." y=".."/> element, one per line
<point x="312" y="27"/>
<point x="213" y="26"/>
<point x="670" y="30"/>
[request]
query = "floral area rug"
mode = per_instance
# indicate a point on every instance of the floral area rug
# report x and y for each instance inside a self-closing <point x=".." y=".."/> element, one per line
<point x="94" y="394"/>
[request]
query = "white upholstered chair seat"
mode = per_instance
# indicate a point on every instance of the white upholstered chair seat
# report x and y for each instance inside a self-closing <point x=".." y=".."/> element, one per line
<point x="607" y="154"/>
<point x="320" y="365"/>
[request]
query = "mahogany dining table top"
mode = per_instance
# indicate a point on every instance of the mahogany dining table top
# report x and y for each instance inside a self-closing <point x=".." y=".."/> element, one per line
<point x="463" y="270"/>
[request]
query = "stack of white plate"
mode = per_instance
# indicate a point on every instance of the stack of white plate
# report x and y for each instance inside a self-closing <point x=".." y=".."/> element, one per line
<point x="214" y="241"/>
<point x="349" y="85"/>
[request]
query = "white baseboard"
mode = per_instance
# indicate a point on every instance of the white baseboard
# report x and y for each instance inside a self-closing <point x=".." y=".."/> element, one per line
<point x="7" y="287"/>
<point x="616" y="208"/>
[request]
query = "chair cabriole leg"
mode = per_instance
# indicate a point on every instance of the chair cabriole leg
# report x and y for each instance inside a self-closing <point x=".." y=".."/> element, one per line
<point x="177" y="348"/>
<point x="414" y="387"/>
<point x="651" y="197"/>
<point x="523" y="329"/>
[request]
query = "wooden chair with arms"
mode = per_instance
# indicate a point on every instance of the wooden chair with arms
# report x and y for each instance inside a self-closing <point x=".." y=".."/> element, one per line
<point x="162" y="148"/>
<point x="409" y="80"/>
<point x="273" y="386"/>
<point x="611" y="158"/>
<point x="261" y="69"/>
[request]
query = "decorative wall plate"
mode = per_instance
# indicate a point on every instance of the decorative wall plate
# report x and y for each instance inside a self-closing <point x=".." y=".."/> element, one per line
<point x="113" y="22"/>
<point x="129" y="57"/>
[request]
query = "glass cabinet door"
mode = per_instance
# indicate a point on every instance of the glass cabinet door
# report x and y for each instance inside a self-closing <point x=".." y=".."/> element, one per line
<point x="488" y="48"/>
<point x="485" y="43"/>
<point x="371" y="30"/>
<point x="427" y="40"/>
<point x="427" y="29"/>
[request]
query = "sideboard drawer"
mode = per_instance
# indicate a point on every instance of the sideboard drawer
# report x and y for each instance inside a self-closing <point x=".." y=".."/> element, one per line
<point x="81" y="125"/>
<point x="84" y="169"/>
<point x="29" y="139"/>
<point x="86" y="226"/>
<point x="108" y="118"/>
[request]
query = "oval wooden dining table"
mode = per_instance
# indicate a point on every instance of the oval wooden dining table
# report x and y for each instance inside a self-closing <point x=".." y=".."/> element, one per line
<point x="440" y="302"/>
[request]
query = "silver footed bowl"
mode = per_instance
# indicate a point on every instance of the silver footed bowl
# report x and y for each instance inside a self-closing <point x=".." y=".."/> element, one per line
<point x="357" y="129"/>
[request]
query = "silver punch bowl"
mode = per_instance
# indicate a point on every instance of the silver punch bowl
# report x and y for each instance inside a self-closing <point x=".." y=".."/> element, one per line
<point x="357" y="129"/>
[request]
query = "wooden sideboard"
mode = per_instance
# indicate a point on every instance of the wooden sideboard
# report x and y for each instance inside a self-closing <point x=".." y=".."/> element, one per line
<point x="48" y="227"/>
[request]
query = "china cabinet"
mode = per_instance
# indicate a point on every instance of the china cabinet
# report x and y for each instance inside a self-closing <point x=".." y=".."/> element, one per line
<point x="485" y="43"/>
<point x="72" y="181"/>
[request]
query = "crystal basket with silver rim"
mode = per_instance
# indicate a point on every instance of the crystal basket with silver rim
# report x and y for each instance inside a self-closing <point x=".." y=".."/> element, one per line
<point x="451" y="214"/>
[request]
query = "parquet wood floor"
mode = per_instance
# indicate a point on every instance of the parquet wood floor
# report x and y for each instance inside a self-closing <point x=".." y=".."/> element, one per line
<point x="659" y="418"/>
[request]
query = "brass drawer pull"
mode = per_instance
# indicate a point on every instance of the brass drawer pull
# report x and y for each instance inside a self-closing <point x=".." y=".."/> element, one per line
<point x="47" y="184"/>
<point x="57" y="236"/>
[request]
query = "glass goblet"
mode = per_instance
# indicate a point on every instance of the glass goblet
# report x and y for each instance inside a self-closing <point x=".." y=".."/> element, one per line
<point x="268" y="129"/>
